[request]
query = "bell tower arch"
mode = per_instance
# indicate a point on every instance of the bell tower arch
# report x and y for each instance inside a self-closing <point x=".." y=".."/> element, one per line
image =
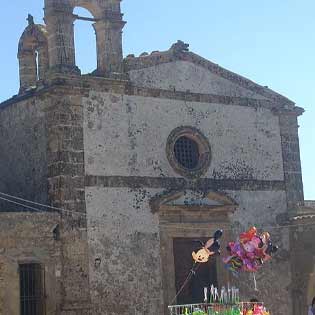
<point x="32" y="55"/>
<point x="108" y="25"/>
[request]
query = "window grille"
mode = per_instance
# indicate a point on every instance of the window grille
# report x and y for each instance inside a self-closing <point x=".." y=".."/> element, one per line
<point x="32" y="289"/>
<point x="186" y="152"/>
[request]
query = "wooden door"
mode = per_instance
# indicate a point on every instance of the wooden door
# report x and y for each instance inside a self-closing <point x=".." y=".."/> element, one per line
<point x="206" y="273"/>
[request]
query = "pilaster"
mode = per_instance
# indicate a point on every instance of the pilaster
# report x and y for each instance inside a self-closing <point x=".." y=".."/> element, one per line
<point x="60" y="28"/>
<point x="66" y="190"/>
<point x="109" y="43"/>
<point x="288" y="121"/>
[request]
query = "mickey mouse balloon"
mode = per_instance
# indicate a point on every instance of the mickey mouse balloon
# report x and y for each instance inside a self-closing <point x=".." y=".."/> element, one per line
<point x="209" y="249"/>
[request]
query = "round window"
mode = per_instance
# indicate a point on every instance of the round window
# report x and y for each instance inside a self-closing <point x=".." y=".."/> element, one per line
<point x="188" y="152"/>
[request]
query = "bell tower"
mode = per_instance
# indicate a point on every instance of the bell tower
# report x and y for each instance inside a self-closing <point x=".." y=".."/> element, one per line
<point x="108" y="25"/>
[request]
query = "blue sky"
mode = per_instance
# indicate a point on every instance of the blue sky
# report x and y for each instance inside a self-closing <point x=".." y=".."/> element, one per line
<point x="270" y="42"/>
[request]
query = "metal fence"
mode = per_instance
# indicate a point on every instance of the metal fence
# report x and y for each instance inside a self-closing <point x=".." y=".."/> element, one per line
<point x="32" y="289"/>
<point x="213" y="309"/>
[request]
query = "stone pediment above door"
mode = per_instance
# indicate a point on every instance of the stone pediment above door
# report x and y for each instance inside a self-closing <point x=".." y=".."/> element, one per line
<point x="188" y="205"/>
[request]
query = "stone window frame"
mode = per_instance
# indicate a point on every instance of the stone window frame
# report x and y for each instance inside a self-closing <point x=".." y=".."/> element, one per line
<point x="203" y="147"/>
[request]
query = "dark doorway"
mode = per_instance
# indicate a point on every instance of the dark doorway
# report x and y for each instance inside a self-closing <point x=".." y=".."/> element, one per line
<point x="205" y="275"/>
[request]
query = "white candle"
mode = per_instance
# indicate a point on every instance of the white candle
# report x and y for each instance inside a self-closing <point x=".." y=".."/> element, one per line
<point x="205" y="292"/>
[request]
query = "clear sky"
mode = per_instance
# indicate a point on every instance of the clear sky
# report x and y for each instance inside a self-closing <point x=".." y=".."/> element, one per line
<point x="270" y="42"/>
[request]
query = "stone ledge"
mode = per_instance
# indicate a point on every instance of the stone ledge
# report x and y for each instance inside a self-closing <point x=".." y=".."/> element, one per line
<point x="74" y="84"/>
<point x="181" y="183"/>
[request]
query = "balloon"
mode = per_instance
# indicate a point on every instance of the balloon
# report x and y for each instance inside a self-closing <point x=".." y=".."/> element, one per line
<point x="260" y="310"/>
<point x="249" y="252"/>
<point x="246" y="236"/>
<point x="211" y="248"/>
<point x="202" y="256"/>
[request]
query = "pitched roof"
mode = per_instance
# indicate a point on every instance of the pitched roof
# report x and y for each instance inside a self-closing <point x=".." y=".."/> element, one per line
<point x="179" y="52"/>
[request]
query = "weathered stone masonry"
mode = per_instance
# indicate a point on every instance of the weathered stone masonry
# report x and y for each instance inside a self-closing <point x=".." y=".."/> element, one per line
<point x="98" y="146"/>
<point x="28" y="237"/>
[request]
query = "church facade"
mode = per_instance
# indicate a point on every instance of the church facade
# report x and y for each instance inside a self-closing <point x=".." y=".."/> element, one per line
<point x="127" y="166"/>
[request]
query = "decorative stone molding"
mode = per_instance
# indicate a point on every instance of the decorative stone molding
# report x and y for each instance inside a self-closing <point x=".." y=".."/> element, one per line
<point x="203" y="148"/>
<point x="179" y="46"/>
<point x="216" y="203"/>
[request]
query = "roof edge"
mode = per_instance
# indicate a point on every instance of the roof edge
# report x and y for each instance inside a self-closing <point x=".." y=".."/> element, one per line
<point x="179" y="52"/>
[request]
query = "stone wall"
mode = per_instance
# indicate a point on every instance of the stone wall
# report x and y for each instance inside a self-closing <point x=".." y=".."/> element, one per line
<point x="103" y="153"/>
<point x="125" y="138"/>
<point x="23" y="147"/>
<point x="48" y="167"/>
<point x="125" y="268"/>
<point x="99" y="149"/>
<point x="303" y="264"/>
<point x="244" y="141"/>
<point x="124" y="237"/>
<point x="28" y="237"/>
<point x="2" y="286"/>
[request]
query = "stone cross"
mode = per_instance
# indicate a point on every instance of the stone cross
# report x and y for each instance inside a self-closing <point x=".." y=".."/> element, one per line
<point x="30" y="19"/>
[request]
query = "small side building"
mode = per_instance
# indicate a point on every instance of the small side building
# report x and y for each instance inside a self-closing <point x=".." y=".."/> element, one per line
<point x="303" y="256"/>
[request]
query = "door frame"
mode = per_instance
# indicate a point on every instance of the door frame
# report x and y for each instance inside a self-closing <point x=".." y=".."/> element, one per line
<point x="190" y="221"/>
